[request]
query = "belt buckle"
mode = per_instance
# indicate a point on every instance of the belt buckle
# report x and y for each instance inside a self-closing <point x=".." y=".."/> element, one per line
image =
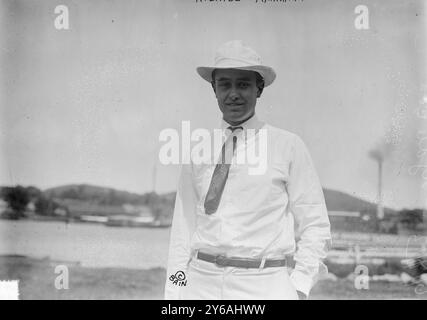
<point x="220" y="260"/>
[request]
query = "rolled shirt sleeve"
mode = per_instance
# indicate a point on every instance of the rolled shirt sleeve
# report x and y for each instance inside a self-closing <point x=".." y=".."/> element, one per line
<point x="182" y="229"/>
<point x="307" y="203"/>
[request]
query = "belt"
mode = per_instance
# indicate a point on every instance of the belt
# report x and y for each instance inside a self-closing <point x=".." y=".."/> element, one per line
<point x="223" y="261"/>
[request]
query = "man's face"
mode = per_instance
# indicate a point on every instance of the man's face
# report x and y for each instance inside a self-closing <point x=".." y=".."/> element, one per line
<point x="236" y="92"/>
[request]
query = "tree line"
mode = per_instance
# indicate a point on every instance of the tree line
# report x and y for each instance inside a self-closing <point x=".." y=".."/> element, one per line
<point x="46" y="202"/>
<point x="18" y="198"/>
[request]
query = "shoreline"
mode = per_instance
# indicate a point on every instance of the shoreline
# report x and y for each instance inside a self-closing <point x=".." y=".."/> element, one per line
<point x="37" y="279"/>
<point x="93" y="245"/>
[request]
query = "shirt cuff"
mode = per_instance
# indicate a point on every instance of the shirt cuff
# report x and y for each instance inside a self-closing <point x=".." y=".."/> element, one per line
<point x="301" y="281"/>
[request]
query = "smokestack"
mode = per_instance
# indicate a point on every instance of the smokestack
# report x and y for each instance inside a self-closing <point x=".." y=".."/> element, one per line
<point x="380" y="207"/>
<point x="154" y="177"/>
<point x="378" y="155"/>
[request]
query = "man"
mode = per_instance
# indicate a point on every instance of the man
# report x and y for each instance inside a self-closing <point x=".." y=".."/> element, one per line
<point x="233" y="229"/>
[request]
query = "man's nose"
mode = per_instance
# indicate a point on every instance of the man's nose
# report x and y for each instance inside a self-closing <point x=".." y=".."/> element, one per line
<point x="233" y="94"/>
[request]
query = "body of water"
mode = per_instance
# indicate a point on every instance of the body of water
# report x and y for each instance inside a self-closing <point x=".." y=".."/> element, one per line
<point x="92" y="245"/>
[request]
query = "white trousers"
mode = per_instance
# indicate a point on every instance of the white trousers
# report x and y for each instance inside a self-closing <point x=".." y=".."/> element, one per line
<point x="207" y="281"/>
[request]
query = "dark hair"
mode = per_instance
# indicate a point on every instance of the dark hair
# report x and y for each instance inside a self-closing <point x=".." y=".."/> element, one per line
<point x="259" y="81"/>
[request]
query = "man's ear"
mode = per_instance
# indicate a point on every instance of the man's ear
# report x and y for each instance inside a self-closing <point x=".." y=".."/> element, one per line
<point x="259" y="92"/>
<point x="213" y="86"/>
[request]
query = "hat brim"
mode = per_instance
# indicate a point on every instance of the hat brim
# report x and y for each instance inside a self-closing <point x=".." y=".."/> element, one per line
<point x="266" y="72"/>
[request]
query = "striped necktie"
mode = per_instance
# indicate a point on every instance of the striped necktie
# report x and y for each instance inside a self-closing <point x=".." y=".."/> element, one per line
<point x="219" y="177"/>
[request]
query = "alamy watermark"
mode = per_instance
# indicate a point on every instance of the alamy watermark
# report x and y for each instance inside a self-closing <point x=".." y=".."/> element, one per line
<point x="62" y="280"/>
<point x="62" y="21"/>
<point x="361" y="281"/>
<point x="421" y="166"/>
<point x="362" y="19"/>
<point x="200" y="146"/>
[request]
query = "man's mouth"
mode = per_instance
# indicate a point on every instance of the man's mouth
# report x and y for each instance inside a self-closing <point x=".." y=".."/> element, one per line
<point x="234" y="104"/>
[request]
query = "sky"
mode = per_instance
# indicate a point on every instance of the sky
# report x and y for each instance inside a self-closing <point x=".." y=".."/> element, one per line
<point x="87" y="104"/>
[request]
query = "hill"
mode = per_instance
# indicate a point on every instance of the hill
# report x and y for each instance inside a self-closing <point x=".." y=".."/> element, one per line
<point x="335" y="200"/>
<point x="104" y="195"/>
<point x="340" y="201"/>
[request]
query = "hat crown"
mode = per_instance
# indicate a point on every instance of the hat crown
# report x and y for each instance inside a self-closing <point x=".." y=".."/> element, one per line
<point x="237" y="55"/>
<point x="238" y="51"/>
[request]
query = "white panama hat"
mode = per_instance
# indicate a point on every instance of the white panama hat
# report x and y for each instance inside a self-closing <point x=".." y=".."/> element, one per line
<point x="236" y="55"/>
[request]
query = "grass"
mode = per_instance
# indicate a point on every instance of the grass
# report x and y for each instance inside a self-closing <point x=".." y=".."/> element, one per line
<point x="37" y="281"/>
<point x="343" y="289"/>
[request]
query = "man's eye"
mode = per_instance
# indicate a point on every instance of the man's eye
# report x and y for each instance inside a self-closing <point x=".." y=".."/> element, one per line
<point x="223" y="85"/>
<point x="243" y="85"/>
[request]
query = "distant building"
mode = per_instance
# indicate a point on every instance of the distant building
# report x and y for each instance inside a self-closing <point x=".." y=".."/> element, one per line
<point x="142" y="213"/>
<point x="342" y="215"/>
<point x="348" y="220"/>
<point x="95" y="219"/>
<point x="78" y="208"/>
<point x="62" y="212"/>
<point x="3" y="206"/>
<point x="93" y="212"/>
<point x="31" y="207"/>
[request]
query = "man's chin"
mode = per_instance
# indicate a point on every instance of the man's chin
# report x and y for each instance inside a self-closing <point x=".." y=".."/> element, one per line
<point x="233" y="120"/>
<point x="237" y="118"/>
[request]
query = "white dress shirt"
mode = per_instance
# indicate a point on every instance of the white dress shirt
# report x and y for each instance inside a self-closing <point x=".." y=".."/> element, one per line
<point x="259" y="215"/>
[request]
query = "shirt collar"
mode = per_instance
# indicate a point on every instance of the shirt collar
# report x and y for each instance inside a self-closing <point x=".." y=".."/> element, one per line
<point x="252" y="123"/>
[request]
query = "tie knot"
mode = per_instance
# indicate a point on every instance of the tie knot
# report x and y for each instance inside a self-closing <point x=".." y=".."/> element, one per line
<point x="234" y="128"/>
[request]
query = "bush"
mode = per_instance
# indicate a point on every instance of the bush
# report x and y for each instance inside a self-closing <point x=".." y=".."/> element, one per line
<point x="411" y="218"/>
<point x="45" y="207"/>
<point x="17" y="198"/>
